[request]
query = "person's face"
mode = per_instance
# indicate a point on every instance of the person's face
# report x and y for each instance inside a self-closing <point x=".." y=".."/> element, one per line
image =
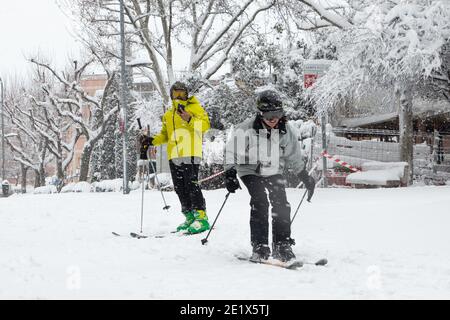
<point x="271" y="123"/>
<point x="179" y="95"/>
<point x="271" y="118"/>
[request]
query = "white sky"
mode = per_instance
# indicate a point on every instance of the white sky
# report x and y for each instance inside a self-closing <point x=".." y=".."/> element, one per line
<point x="31" y="26"/>
<point x="28" y="27"/>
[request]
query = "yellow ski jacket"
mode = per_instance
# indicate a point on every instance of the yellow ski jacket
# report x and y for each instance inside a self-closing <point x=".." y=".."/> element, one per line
<point x="184" y="139"/>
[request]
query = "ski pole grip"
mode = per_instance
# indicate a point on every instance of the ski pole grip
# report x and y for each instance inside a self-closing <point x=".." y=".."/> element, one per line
<point x="139" y="123"/>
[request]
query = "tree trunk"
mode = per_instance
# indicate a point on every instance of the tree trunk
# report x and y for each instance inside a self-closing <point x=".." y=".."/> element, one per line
<point x="42" y="175"/>
<point x="23" y="182"/>
<point x="85" y="161"/>
<point x="404" y="98"/>
<point x="37" y="179"/>
<point x="59" y="169"/>
<point x="59" y="174"/>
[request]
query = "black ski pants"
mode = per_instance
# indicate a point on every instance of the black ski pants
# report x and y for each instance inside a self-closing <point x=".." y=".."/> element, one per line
<point x="185" y="177"/>
<point x="259" y="213"/>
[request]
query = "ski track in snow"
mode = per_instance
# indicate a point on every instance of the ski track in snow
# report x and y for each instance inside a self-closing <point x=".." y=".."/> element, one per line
<point x="380" y="244"/>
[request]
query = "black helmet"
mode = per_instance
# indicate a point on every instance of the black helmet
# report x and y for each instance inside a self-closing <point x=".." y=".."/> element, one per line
<point x="179" y="86"/>
<point x="269" y="100"/>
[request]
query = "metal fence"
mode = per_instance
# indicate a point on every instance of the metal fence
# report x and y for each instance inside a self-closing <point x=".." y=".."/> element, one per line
<point x="357" y="146"/>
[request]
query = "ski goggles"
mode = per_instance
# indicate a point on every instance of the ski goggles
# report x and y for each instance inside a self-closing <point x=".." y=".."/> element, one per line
<point x="271" y="115"/>
<point x="179" y="94"/>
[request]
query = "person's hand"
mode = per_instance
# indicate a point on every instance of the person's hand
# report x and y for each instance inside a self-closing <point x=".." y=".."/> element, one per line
<point x="309" y="182"/>
<point x="186" y="116"/>
<point x="145" y="140"/>
<point x="231" y="181"/>
<point x="145" y="143"/>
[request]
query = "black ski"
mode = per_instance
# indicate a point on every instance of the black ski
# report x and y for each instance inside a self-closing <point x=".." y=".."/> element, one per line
<point x="137" y="235"/>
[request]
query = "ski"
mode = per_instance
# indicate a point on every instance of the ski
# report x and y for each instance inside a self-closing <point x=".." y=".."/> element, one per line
<point x="321" y="262"/>
<point x="165" y="235"/>
<point x="158" y="236"/>
<point x="137" y="235"/>
<point x="132" y="234"/>
<point x="287" y="265"/>
<point x="176" y="234"/>
<point x="291" y="265"/>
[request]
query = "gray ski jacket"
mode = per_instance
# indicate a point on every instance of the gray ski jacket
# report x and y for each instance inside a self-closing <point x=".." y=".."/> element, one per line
<point x="254" y="150"/>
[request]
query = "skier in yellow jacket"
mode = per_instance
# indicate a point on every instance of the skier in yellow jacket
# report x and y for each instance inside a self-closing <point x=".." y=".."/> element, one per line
<point x="183" y="126"/>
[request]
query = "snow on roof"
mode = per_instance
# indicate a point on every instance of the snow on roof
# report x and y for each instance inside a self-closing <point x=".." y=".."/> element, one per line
<point x="372" y="119"/>
<point x="422" y="108"/>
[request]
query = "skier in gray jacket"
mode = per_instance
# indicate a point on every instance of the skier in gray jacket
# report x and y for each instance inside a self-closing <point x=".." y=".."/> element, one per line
<point x="259" y="150"/>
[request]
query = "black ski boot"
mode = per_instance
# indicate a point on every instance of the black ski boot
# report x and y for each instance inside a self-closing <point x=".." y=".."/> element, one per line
<point x="260" y="252"/>
<point x="283" y="251"/>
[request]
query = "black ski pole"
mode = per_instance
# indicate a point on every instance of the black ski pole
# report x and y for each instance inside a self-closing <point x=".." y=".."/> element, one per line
<point x="298" y="207"/>
<point x="142" y="201"/>
<point x="166" y="206"/>
<point x="304" y="194"/>
<point x="204" y="241"/>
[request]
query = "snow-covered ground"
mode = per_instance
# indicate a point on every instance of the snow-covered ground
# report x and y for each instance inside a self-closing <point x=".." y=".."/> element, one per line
<point x="382" y="243"/>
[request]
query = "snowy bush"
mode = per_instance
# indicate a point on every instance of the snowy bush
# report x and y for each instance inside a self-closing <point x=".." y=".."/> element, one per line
<point x="114" y="185"/>
<point x="83" y="186"/>
<point x="108" y="185"/>
<point x="46" y="190"/>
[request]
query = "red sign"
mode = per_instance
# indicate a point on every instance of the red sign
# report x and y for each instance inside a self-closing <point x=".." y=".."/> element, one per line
<point x="309" y="79"/>
<point x="312" y="69"/>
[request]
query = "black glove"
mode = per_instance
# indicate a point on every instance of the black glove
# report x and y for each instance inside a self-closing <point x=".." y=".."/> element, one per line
<point x="146" y="142"/>
<point x="231" y="181"/>
<point x="309" y="183"/>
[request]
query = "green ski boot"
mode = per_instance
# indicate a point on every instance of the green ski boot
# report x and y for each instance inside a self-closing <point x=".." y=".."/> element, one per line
<point x="200" y="223"/>
<point x="189" y="219"/>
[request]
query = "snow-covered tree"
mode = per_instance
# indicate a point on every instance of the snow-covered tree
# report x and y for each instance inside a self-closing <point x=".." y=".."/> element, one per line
<point x="440" y="79"/>
<point x="396" y="43"/>
<point x="29" y="148"/>
<point x="61" y="135"/>
<point x="132" y="101"/>
<point x="207" y="30"/>
<point x="72" y="103"/>
<point x="103" y="166"/>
